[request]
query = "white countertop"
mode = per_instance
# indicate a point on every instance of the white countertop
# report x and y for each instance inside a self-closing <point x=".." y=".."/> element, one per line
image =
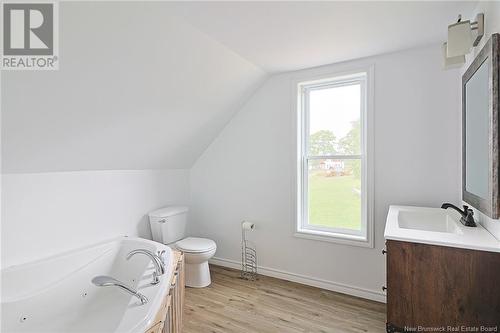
<point x="452" y="233"/>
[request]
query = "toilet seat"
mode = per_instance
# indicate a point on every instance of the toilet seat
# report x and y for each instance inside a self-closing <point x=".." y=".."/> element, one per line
<point x="195" y="245"/>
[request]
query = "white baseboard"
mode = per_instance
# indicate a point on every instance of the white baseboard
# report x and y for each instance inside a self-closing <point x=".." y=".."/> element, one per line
<point x="307" y="280"/>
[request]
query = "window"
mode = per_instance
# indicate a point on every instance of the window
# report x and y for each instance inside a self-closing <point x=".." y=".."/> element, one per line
<point x="334" y="192"/>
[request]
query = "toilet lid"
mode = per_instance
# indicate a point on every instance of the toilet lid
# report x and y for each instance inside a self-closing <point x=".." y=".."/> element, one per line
<point x="194" y="244"/>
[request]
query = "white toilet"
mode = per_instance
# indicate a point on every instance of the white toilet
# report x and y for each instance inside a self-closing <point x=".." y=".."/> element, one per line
<point x="168" y="226"/>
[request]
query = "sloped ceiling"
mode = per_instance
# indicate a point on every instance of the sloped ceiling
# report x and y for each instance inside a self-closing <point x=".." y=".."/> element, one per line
<point x="283" y="36"/>
<point x="136" y="89"/>
<point x="148" y="85"/>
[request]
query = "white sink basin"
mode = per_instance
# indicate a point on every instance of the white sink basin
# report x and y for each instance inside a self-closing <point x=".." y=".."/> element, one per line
<point x="438" y="227"/>
<point x="436" y="221"/>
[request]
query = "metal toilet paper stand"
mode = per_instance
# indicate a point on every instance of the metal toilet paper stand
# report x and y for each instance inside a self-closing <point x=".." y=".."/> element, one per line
<point x="248" y="254"/>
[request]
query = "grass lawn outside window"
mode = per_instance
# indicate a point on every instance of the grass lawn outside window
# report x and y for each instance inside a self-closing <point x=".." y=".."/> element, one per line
<point x="334" y="201"/>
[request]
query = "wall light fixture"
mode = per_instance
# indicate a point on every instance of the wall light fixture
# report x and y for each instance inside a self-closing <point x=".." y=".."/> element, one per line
<point x="461" y="38"/>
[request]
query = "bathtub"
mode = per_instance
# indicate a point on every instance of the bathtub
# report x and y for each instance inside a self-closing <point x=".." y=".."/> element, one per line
<point x="56" y="294"/>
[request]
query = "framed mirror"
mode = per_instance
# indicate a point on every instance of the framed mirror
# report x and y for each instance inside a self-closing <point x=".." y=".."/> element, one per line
<point x="480" y="126"/>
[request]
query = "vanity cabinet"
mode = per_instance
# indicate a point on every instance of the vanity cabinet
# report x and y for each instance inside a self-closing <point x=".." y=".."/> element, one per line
<point x="170" y="315"/>
<point x="174" y="317"/>
<point x="437" y="286"/>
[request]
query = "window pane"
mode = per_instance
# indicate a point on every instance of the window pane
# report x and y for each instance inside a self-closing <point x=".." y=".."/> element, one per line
<point x="334" y="193"/>
<point x="334" y="120"/>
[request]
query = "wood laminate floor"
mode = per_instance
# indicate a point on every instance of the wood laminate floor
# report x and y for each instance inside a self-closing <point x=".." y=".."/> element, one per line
<point x="271" y="305"/>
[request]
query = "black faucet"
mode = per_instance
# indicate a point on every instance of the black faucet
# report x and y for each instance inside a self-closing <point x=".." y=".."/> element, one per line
<point x="467" y="218"/>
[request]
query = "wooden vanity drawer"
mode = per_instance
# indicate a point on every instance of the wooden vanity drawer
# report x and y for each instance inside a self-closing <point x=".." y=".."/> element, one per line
<point x="436" y="286"/>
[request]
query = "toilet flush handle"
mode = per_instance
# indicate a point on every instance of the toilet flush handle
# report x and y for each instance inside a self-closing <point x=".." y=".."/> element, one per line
<point x="162" y="221"/>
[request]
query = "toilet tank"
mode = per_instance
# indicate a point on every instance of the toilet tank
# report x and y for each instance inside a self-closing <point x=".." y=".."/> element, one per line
<point x="168" y="224"/>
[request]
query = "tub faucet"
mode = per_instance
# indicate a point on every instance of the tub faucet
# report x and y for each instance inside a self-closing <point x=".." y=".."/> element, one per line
<point x="157" y="262"/>
<point x="467" y="218"/>
<point x="108" y="281"/>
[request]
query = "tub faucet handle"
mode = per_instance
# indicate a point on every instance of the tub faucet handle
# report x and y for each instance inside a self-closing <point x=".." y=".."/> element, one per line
<point x="160" y="255"/>
<point x="157" y="262"/>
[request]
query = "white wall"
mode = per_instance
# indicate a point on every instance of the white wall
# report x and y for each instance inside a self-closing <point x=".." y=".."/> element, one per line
<point x="246" y="172"/>
<point x="122" y="99"/>
<point x="46" y="213"/>
<point x="491" y="10"/>
<point x="136" y="89"/>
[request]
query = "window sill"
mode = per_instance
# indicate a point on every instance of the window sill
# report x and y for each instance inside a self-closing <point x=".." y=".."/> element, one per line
<point x="334" y="238"/>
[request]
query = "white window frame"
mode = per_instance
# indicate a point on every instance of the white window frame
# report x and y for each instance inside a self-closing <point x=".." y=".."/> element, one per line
<point x="364" y="77"/>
